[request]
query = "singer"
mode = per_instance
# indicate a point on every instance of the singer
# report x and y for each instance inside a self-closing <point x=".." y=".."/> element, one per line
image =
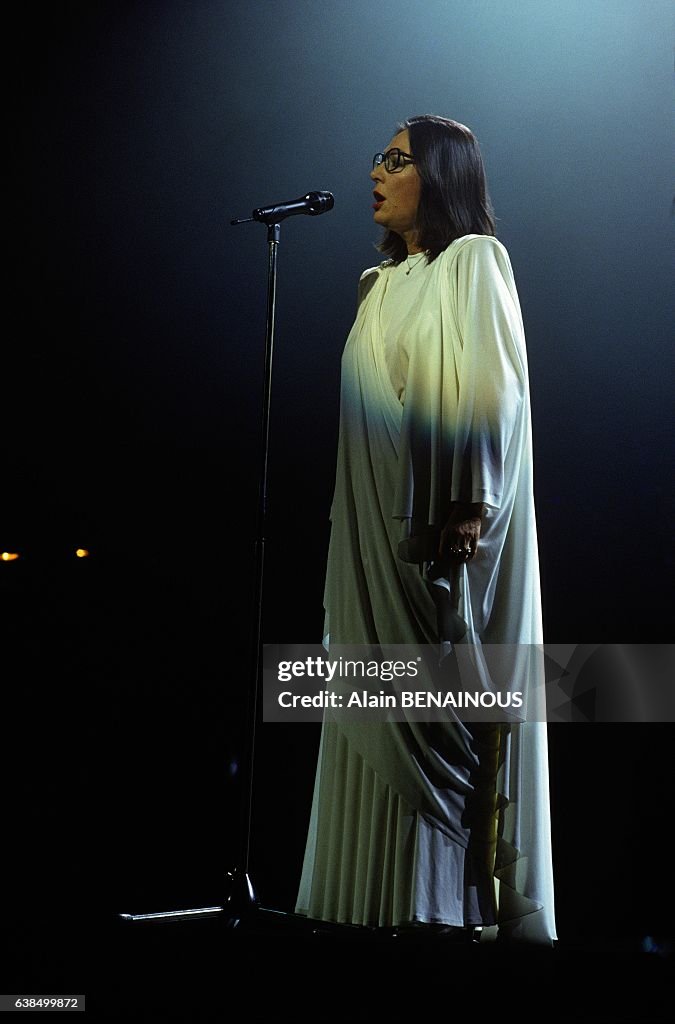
<point x="434" y="830"/>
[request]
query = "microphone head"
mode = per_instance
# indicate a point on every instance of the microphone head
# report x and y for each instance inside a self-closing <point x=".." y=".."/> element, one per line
<point x="319" y="202"/>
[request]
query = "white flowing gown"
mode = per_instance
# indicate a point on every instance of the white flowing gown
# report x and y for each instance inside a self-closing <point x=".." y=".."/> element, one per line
<point x="412" y="823"/>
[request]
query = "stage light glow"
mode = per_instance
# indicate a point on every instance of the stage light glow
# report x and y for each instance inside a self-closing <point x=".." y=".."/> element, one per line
<point x="81" y="553"/>
<point x="9" y="556"/>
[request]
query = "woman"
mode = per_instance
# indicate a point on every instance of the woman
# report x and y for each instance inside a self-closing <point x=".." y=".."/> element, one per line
<point x="413" y="825"/>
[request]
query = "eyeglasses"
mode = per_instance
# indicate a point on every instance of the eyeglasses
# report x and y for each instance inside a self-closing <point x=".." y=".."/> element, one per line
<point x="393" y="160"/>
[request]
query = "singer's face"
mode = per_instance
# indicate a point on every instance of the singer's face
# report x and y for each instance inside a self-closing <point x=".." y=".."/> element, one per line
<point x="397" y="195"/>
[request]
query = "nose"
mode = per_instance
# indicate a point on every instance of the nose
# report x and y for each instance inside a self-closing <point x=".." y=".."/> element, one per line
<point x="377" y="173"/>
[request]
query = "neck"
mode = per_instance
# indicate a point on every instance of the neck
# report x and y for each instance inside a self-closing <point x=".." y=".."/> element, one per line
<point x="410" y="239"/>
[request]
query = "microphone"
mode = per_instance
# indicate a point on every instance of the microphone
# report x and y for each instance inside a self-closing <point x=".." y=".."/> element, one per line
<point x="313" y="204"/>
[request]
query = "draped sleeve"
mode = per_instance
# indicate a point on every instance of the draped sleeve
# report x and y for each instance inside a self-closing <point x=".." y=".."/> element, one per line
<point x="466" y="387"/>
<point x="492" y="372"/>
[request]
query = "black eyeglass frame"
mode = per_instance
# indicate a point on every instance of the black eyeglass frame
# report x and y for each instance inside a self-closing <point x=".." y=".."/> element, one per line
<point x="402" y="160"/>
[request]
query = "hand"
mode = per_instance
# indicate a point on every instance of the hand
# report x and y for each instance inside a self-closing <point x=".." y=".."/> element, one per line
<point x="460" y="535"/>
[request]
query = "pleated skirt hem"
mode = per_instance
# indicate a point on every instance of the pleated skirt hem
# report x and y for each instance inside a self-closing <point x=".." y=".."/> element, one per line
<point x="373" y="860"/>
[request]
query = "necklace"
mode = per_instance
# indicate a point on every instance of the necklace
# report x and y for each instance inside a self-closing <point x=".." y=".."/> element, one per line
<point x="412" y="267"/>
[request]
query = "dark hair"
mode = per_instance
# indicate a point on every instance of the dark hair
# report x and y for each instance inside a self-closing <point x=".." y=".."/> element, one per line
<point x="454" y="200"/>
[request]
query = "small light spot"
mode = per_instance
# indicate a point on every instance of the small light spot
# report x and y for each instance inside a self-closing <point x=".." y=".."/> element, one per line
<point x="81" y="553"/>
<point x="9" y="556"/>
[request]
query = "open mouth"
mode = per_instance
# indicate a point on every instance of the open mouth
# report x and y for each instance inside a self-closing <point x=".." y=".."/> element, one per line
<point x="379" y="199"/>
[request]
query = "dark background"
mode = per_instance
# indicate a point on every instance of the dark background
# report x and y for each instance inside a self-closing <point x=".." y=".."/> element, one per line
<point x="132" y="375"/>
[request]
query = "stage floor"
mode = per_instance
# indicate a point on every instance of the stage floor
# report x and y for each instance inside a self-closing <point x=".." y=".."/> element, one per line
<point x="276" y="967"/>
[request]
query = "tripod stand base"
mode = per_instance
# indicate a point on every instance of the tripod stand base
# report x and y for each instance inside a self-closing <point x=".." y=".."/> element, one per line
<point x="242" y="901"/>
<point x="167" y="916"/>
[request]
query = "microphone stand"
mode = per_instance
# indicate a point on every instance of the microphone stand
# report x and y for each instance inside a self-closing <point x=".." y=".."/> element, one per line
<point x="242" y="901"/>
